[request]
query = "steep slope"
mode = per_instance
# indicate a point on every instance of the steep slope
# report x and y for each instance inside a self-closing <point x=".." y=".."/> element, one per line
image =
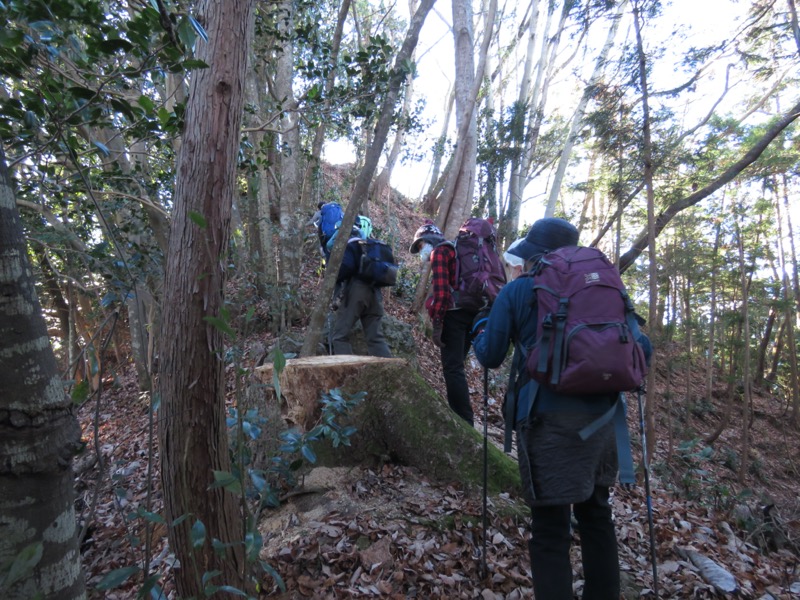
<point x="386" y="531"/>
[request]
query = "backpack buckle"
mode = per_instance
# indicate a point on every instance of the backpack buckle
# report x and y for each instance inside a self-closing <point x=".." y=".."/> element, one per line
<point x="561" y="315"/>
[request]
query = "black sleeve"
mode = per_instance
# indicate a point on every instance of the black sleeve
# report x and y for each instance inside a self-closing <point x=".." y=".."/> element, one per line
<point x="352" y="256"/>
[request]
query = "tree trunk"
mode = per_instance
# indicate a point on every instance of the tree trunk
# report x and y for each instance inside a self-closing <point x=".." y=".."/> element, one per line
<point x="430" y="204"/>
<point x="761" y="358"/>
<point x="688" y="372"/>
<point x="791" y="346"/>
<point x="668" y="396"/>
<point x="401" y="417"/>
<point x="145" y="228"/>
<point x="313" y="166"/>
<point x="747" y="400"/>
<point x="588" y="215"/>
<point x="509" y="223"/>
<point x="577" y="117"/>
<point x="290" y="198"/>
<point x="260" y="182"/>
<point x="772" y="376"/>
<point x="456" y="202"/>
<point x="712" y="316"/>
<point x="730" y="392"/>
<point x="258" y="261"/>
<point x="192" y="434"/>
<point x="384" y="177"/>
<point x="650" y="419"/>
<point x="54" y="291"/>
<point x="795" y="25"/>
<point x="790" y="313"/>
<point x="39" y="435"/>
<point x="139" y="304"/>
<point x="792" y="258"/>
<point x="453" y="207"/>
<point x="686" y="299"/>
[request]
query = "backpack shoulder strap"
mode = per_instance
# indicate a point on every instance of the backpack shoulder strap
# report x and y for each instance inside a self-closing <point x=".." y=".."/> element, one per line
<point x="510" y="408"/>
<point x="517" y="379"/>
<point x="624" y="455"/>
<point x="616" y="414"/>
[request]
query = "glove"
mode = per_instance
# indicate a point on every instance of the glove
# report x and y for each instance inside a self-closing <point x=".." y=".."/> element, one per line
<point x="437" y="333"/>
<point x="479" y="323"/>
<point x="336" y="299"/>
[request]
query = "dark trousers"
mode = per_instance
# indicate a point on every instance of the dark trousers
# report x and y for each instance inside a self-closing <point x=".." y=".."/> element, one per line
<point x="551" y="540"/>
<point x="363" y="302"/>
<point x="456" y="329"/>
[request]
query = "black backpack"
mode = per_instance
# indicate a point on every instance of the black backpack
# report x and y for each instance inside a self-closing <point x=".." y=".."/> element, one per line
<point x="377" y="265"/>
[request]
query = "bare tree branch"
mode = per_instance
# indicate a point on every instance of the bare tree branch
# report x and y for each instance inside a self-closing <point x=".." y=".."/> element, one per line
<point x="627" y="259"/>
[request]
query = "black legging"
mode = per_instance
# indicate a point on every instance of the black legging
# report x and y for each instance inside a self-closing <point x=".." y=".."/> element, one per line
<point x="456" y="338"/>
<point x="550" y="543"/>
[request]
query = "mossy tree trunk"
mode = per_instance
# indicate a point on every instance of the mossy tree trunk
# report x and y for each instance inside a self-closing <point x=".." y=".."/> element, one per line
<point x="402" y="419"/>
<point x="39" y="435"/>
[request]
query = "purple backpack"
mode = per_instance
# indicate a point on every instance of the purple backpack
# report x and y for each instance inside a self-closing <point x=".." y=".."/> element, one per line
<point x="585" y="331"/>
<point x="479" y="269"/>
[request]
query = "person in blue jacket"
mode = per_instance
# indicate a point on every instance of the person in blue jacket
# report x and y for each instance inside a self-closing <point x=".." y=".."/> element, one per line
<point x="561" y="472"/>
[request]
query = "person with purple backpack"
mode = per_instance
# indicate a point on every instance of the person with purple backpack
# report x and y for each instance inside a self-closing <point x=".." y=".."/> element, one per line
<point x="466" y="275"/>
<point x="562" y="471"/>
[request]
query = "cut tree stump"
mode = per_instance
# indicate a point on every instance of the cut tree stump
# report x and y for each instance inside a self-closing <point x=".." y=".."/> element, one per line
<point x="402" y="419"/>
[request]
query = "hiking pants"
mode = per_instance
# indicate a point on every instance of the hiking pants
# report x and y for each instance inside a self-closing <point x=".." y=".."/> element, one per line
<point x="360" y="301"/>
<point x="550" y="543"/>
<point x="456" y="329"/>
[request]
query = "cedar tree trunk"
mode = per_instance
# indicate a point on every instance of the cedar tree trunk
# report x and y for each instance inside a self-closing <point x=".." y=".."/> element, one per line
<point x="192" y="432"/>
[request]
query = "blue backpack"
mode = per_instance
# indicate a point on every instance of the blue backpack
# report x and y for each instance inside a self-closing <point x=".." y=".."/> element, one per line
<point x="330" y="216"/>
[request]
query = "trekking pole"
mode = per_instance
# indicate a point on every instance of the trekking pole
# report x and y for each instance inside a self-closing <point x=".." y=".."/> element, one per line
<point x="645" y="463"/>
<point x="485" y="465"/>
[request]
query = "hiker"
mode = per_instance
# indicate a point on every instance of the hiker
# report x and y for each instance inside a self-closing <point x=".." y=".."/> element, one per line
<point x="452" y="307"/>
<point x="358" y="297"/>
<point x="560" y="472"/>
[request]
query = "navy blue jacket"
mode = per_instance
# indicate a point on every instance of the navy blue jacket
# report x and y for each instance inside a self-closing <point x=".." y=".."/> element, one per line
<point x="350" y="260"/>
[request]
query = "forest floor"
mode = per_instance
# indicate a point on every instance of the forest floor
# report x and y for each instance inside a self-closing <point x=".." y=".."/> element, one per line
<point x="389" y="532"/>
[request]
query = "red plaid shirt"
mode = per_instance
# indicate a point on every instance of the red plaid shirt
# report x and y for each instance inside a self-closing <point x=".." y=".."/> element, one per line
<point x="443" y="280"/>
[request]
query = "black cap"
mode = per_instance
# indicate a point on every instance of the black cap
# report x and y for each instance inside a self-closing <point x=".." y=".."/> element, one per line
<point x="545" y="235"/>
